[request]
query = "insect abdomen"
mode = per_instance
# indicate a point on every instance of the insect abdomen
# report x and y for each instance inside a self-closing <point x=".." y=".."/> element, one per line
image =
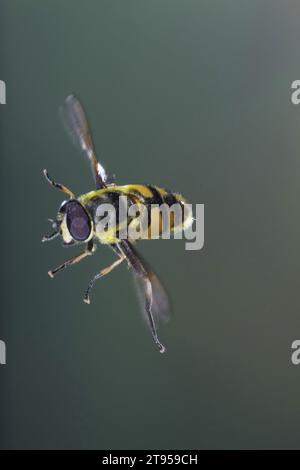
<point x="153" y="220"/>
<point x="156" y="201"/>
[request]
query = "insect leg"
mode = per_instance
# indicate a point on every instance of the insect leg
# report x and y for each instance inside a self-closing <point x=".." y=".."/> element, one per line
<point x="102" y="273"/>
<point x="148" y="292"/>
<point x="53" y="235"/>
<point x="47" y="238"/>
<point x="87" y="252"/>
<point x="59" y="186"/>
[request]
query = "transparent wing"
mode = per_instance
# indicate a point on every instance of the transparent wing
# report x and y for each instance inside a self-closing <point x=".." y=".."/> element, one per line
<point x="152" y="295"/>
<point x="160" y="307"/>
<point x="75" y="121"/>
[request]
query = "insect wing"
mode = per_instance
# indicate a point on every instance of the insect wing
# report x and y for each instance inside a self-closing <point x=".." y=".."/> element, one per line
<point x="152" y="296"/>
<point x="160" y="307"/>
<point x="76" y="123"/>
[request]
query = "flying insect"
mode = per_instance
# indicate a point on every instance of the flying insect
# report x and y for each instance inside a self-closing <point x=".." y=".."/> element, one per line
<point x="77" y="221"/>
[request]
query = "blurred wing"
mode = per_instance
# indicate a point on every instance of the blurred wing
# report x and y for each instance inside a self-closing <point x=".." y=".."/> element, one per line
<point x="76" y="123"/>
<point x="160" y="302"/>
<point x="155" y="304"/>
<point x="143" y="274"/>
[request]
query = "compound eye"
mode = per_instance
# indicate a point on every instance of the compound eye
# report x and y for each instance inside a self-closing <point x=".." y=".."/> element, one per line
<point x="78" y="221"/>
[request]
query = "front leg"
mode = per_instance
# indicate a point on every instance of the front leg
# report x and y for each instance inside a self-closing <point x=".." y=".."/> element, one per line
<point x="59" y="186"/>
<point x="87" y="252"/>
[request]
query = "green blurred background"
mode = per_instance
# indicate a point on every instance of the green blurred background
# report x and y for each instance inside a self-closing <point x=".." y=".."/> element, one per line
<point x="192" y="95"/>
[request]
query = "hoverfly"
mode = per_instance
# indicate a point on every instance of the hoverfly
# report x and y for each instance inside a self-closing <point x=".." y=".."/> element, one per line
<point x="75" y="221"/>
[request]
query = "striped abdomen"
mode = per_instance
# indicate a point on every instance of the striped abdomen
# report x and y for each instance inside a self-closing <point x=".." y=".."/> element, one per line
<point x="148" y="215"/>
<point x="156" y="217"/>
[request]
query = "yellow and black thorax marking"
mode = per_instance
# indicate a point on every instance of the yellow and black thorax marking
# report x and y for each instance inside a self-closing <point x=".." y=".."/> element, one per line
<point x="146" y="198"/>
